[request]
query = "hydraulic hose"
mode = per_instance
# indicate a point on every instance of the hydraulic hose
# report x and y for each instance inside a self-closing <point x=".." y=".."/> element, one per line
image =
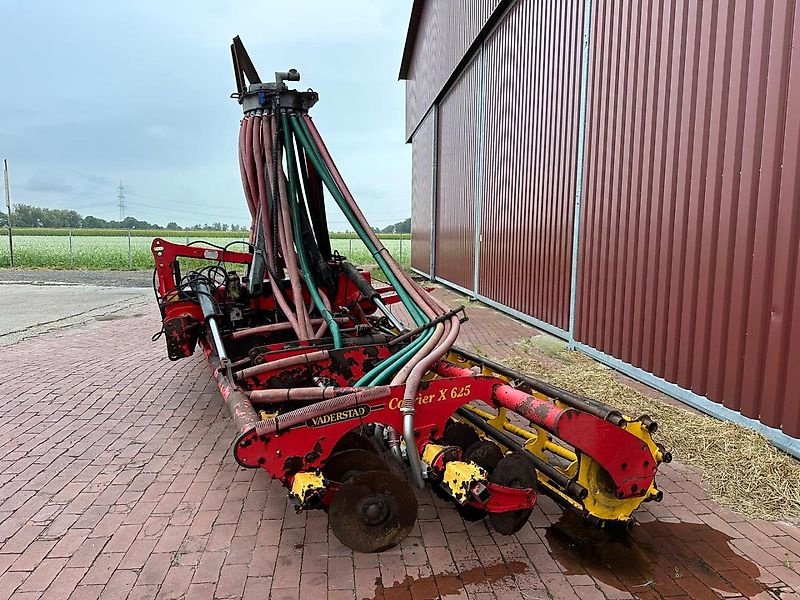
<point x="273" y="327"/>
<point x="248" y="196"/>
<point x="414" y="303"/>
<point x="394" y="272"/>
<point x="411" y="305"/>
<point x="277" y="396"/>
<point x="291" y="163"/>
<point x="325" y="407"/>
<point x="285" y="231"/>
<point x="391" y="364"/>
<point x="324" y="326"/>
<point x="428" y="342"/>
<point x="261" y="182"/>
<point x="283" y="363"/>
<point x="313" y="152"/>
<point x="260" y="134"/>
<point x="249" y="168"/>
<point x="257" y="202"/>
<point x="353" y="211"/>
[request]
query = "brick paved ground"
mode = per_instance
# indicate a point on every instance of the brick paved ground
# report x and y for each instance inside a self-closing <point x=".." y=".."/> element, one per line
<point x="116" y="481"/>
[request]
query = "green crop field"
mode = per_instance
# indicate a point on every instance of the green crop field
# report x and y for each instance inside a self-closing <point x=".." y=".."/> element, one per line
<point x="115" y="249"/>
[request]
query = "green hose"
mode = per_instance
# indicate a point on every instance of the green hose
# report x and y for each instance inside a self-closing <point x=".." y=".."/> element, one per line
<point x="304" y="137"/>
<point x="291" y="163"/>
<point x="382" y="372"/>
<point x="393" y="364"/>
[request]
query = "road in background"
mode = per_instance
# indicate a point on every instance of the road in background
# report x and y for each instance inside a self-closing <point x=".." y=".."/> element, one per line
<point x="32" y="308"/>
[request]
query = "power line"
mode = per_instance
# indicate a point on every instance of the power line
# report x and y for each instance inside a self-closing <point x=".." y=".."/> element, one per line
<point x="172" y="212"/>
<point x="121" y="197"/>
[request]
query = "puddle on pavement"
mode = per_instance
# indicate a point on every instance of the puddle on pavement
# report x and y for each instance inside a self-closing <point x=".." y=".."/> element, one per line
<point x="436" y="586"/>
<point x="655" y="559"/>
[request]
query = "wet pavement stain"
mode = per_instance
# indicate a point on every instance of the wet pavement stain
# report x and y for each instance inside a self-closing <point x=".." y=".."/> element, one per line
<point x="439" y="586"/>
<point x="656" y="559"/>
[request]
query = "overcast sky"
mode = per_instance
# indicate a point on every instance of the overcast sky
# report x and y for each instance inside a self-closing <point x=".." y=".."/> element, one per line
<point x="94" y="92"/>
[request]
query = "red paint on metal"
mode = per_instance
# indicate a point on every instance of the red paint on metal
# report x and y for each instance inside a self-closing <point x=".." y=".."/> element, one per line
<point x="503" y="499"/>
<point x="627" y="460"/>
<point x="300" y="441"/>
<point x="284" y="369"/>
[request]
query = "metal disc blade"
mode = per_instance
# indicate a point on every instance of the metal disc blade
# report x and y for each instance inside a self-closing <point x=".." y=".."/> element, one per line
<point x="470" y="513"/>
<point x="355" y="439"/>
<point x="344" y="465"/>
<point x="514" y="471"/>
<point x="459" y="434"/>
<point x="373" y="511"/>
<point x="485" y="454"/>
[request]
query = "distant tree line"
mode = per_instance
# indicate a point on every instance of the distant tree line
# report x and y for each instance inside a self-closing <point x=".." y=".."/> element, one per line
<point x="399" y="227"/>
<point x="24" y="215"/>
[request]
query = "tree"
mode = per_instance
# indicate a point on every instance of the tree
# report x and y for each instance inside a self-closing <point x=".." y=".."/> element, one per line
<point x="25" y="215"/>
<point x="173" y="225"/>
<point x="401" y="227"/>
<point x="91" y="222"/>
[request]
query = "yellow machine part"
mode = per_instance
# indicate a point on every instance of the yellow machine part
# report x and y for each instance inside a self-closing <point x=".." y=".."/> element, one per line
<point x="601" y="501"/>
<point x="460" y="477"/>
<point x="430" y="452"/>
<point x="307" y="484"/>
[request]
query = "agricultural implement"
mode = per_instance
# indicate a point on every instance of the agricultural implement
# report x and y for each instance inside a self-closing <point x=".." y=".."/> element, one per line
<point x="348" y="389"/>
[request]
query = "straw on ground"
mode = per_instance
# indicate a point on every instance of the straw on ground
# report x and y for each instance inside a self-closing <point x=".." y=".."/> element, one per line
<point x="740" y="468"/>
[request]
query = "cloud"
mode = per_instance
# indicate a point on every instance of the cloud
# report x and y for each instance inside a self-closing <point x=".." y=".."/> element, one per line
<point x="139" y="92"/>
<point x="48" y="184"/>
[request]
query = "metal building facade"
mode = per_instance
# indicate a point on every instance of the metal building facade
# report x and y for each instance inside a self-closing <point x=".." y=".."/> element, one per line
<point x="528" y="158"/>
<point x="456" y="186"/>
<point x="422" y="161"/>
<point x="440" y="35"/>
<point x="632" y="186"/>
<point x="690" y="227"/>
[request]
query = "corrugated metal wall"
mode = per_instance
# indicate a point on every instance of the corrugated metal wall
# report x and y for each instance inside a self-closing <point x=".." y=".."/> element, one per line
<point x="456" y="184"/>
<point x="422" y="195"/>
<point x="532" y="87"/>
<point x="689" y="237"/>
<point x="691" y="212"/>
<point x="446" y="30"/>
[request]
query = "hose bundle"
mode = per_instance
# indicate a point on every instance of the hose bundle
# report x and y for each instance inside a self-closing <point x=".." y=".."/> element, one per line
<point x="283" y="159"/>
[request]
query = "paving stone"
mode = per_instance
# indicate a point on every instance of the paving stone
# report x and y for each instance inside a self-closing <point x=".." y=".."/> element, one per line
<point x="136" y="493"/>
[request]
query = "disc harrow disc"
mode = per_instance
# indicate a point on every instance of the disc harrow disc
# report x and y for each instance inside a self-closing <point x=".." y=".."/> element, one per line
<point x="373" y="511"/>
<point x="484" y="453"/>
<point x="459" y="434"/>
<point x="470" y="513"/>
<point x="515" y="471"/>
<point x="355" y="439"/>
<point x="344" y="465"/>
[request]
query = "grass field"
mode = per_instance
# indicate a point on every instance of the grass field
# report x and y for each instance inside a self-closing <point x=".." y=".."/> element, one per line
<point x="99" y="249"/>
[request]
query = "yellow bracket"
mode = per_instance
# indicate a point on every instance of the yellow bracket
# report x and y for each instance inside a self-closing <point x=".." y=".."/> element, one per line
<point x="430" y="452"/>
<point x="306" y="485"/>
<point x="460" y="477"/>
